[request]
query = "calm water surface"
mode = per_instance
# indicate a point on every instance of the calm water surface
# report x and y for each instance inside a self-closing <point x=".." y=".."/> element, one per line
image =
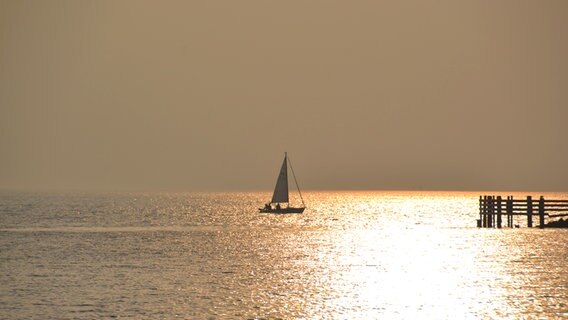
<point x="351" y="255"/>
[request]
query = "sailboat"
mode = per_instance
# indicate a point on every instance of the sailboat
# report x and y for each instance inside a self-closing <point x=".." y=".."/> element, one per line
<point x="280" y="202"/>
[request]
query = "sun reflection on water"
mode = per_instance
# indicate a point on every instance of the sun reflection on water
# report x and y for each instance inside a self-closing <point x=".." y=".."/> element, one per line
<point x="403" y="256"/>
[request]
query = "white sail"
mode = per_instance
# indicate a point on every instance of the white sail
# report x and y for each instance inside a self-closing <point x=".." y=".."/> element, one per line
<point x="281" y="189"/>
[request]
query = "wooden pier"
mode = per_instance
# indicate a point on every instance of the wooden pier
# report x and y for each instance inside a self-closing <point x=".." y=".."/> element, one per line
<point x="494" y="209"/>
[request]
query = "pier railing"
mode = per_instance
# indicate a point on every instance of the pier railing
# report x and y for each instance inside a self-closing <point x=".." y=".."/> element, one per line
<point x="494" y="209"/>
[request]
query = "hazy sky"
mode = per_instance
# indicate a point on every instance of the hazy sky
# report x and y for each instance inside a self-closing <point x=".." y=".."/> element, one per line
<point x="207" y="95"/>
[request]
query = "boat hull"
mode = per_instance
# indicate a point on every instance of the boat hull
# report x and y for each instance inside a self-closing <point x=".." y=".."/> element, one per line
<point x="282" y="210"/>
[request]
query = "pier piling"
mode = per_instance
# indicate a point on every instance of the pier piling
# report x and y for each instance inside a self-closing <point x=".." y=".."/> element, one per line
<point x="541" y="212"/>
<point x="529" y="211"/>
<point x="499" y="218"/>
<point x="509" y="208"/>
<point x="484" y="212"/>
<point x="490" y="212"/>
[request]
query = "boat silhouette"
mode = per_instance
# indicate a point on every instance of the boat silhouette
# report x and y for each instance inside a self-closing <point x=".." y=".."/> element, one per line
<point x="280" y="202"/>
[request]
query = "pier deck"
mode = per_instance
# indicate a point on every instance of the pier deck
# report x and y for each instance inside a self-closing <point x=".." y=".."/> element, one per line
<point x="492" y="210"/>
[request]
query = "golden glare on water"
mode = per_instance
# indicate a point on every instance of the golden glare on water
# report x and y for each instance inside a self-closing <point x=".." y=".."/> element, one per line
<point x="413" y="255"/>
<point x="402" y="273"/>
<point x="351" y="255"/>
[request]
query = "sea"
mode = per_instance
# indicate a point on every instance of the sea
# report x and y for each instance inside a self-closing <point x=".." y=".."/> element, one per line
<point x="350" y="255"/>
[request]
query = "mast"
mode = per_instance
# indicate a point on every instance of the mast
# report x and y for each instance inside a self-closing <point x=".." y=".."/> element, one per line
<point x="295" y="180"/>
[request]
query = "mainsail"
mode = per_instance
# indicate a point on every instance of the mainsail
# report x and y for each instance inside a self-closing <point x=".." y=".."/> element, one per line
<point x="281" y="189"/>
